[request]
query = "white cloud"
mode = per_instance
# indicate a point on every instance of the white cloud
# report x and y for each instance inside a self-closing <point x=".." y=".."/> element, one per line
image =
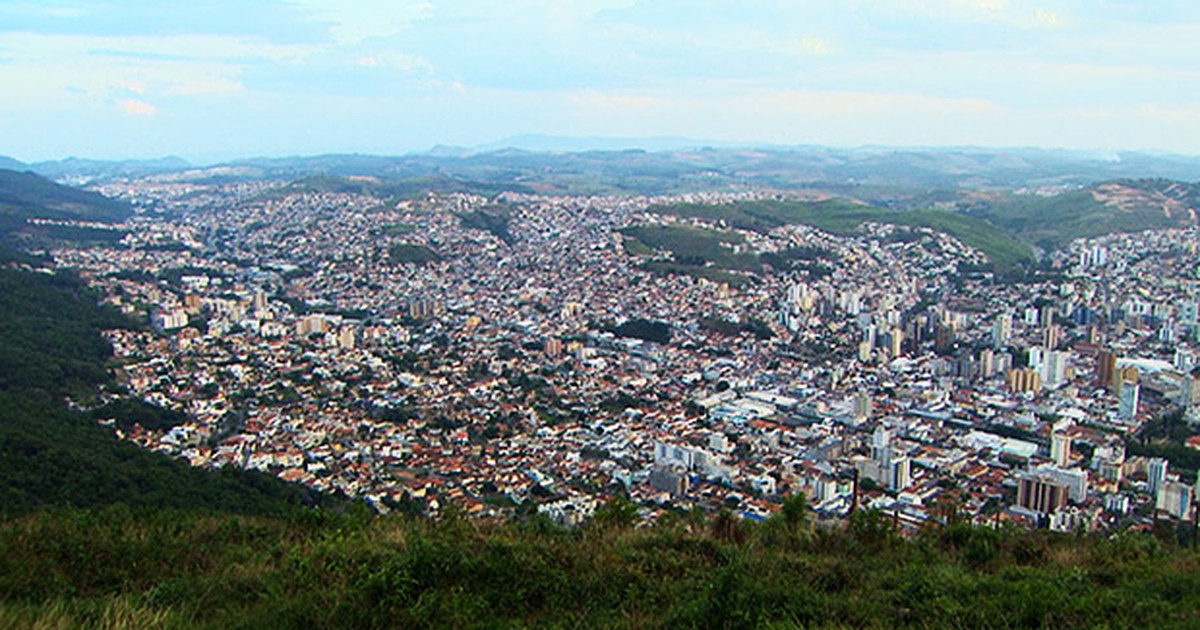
<point x="132" y="86"/>
<point x="137" y="108"/>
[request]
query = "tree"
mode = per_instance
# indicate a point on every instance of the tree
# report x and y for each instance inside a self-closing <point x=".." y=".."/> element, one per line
<point x="795" y="511"/>
<point x="617" y="513"/>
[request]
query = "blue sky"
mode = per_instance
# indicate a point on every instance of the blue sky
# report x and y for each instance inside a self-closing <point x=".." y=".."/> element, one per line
<point x="212" y="80"/>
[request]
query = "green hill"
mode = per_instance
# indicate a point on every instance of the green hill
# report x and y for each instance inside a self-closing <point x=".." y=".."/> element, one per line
<point x="52" y="456"/>
<point x="392" y="187"/>
<point x="1052" y="221"/>
<point x="844" y="217"/>
<point x="25" y="196"/>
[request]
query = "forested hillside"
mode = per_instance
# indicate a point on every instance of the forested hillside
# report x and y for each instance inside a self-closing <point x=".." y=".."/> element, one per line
<point x="51" y="350"/>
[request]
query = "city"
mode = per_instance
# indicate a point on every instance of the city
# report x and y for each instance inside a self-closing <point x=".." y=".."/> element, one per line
<point x="495" y="371"/>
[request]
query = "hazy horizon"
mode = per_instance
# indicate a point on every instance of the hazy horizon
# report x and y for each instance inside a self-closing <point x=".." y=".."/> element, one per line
<point x="537" y="143"/>
<point x="227" y="80"/>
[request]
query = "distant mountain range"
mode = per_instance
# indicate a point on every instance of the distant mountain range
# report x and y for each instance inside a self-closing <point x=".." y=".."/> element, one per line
<point x="82" y="171"/>
<point x="600" y="165"/>
<point x="1041" y="197"/>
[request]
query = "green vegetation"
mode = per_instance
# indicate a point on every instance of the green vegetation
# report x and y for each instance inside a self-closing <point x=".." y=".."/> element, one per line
<point x="844" y="217"/>
<point x="644" y="329"/>
<point x="493" y="220"/>
<point x="24" y="196"/>
<point x="127" y="413"/>
<point x="1003" y="250"/>
<point x="753" y="326"/>
<point x="26" y="192"/>
<point x="814" y="261"/>
<point x="713" y="274"/>
<point x="52" y="456"/>
<point x="390" y="187"/>
<point x="693" y="245"/>
<point x="1166" y="437"/>
<point x="399" y="229"/>
<point x="697" y="252"/>
<point x="410" y="253"/>
<point x="180" y="569"/>
<point x="1053" y="221"/>
<point x="48" y="324"/>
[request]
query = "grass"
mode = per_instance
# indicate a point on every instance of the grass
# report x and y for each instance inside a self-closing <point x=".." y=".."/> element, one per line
<point x="119" y="568"/>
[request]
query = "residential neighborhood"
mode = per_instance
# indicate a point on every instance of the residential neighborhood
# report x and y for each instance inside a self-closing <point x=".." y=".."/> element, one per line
<point x="487" y="354"/>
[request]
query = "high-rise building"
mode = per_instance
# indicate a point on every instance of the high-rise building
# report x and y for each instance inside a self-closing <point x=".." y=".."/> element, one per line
<point x="425" y="308"/>
<point x="1041" y="494"/>
<point x="1189" y="312"/>
<point x="899" y="473"/>
<point x="1127" y="403"/>
<point x="1189" y="391"/>
<point x="1021" y="380"/>
<point x="881" y="445"/>
<point x="1051" y="336"/>
<point x="1106" y="368"/>
<point x="1002" y="330"/>
<point x="311" y="324"/>
<point x="1054" y="369"/>
<point x="192" y="303"/>
<point x="1175" y="498"/>
<point x="869" y="335"/>
<point x="895" y="342"/>
<point x="347" y="337"/>
<point x="865" y="351"/>
<point x="987" y="363"/>
<point x="1156" y="475"/>
<point x="670" y="480"/>
<point x="164" y="320"/>
<point x="1075" y="480"/>
<point x="1124" y="375"/>
<point x="1046" y="315"/>
<point x="1060" y="447"/>
<point x="945" y="337"/>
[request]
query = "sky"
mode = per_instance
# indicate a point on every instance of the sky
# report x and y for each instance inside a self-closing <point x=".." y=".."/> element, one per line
<point x="220" y="79"/>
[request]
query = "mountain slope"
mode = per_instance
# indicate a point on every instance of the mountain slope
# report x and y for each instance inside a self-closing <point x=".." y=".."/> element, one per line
<point x="50" y="348"/>
<point x="1112" y="207"/>
<point x="843" y="217"/>
<point x="25" y="196"/>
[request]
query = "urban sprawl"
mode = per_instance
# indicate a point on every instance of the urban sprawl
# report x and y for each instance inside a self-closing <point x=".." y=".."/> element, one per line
<point x="516" y="354"/>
